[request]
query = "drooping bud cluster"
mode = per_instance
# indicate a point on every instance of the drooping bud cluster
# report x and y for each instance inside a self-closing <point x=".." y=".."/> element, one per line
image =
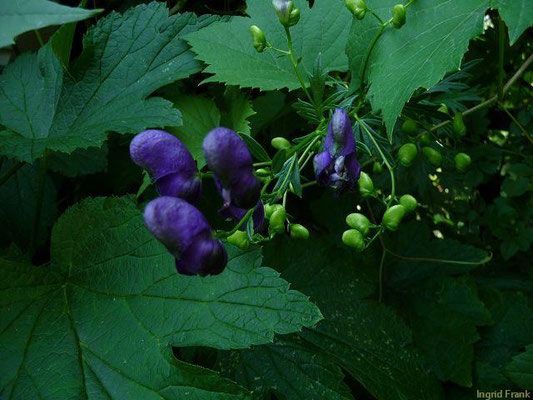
<point x="287" y="14"/>
<point x="172" y="218"/>
<point x="337" y="166"/>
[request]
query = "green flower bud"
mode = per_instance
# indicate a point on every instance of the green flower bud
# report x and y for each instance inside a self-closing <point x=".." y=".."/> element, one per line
<point x="299" y="231"/>
<point x="294" y="17"/>
<point x="407" y="153"/>
<point x="462" y="162"/>
<point x="358" y="221"/>
<point x="260" y="42"/>
<point x="433" y="156"/>
<point x="410" y="127"/>
<point x="271" y="208"/>
<point x="357" y="8"/>
<point x="426" y="138"/>
<point x="262" y="172"/>
<point x="239" y="239"/>
<point x="409" y="202"/>
<point x="393" y="216"/>
<point x="398" y="16"/>
<point x="458" y="125"/>
<point x="280" y="143"/>
<point x="366" y="186"/>
<point x="377" y="168"/>
<point x="277" y="220"/>
<point x="354" y="239"/>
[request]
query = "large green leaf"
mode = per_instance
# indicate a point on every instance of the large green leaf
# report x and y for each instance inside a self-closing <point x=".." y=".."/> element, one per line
<point x="125" y="58"/>
<point x="18" y="210"/>
<point x="18" y="16"/>
<point x="520" y="370"/>
<point x="367" y="339"/>
<point x="444" y="315"/>
<point x="227" y="46"/>
<point x="516" y="14"/>
<point x="431" y="43"/>
<point x="288" y="368"/>
<point x="111" y="301"/>
<point x="200" y="115"/>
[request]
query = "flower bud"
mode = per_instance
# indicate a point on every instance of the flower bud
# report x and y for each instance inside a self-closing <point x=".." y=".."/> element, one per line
<point x="294" y="17"/>
<point x="186" y="234"/>
<point x="277" y="220"/>
<point x="398" y="16"/>
<point x="426" y="139"/>
<point x="377" y="168"/>
<point x="280" y="143"/>
<point x="409" y="202"/>
<point x="283" y="10"/>
<point x="258" y="36"/>
<point x="357" y="8"/>
<point x="230" y="160"/>
<point x="366" y="186"/>
<point x="407" y="153"/>
<point x="458" y="125"/>
<point x="299" y="232"/>
<point x="358" y="221"/>
<point x="393" y="216"/>
<point x="410" y="127"/>
<point x="262" y="172"/>
<point x="462" y="162"/>
<point x="270" y="208"/>
<point x="239" y="239"/>
<point x="433" y="156"/>
<point x="354" y="239"/>
<point x="168" y="162"/>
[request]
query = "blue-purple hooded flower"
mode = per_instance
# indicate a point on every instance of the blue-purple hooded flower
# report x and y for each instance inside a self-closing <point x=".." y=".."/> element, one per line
<point x="168" y="162"/>
<point x="230" y="160"/>
<point x="184" y="231"/>
<point x="337" y="166"/>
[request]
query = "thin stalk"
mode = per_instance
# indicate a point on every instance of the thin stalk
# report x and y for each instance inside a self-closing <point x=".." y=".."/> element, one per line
<point x="39" y="37"/>
<point x="439" y="260"/>
<point x="369" y="51"/>
<point x="524" y="131"/>
<point x="295" y="65"/>
<point x="385" y="161"/>
<point x="5" y="177"/>
<point x="262" y="164"/>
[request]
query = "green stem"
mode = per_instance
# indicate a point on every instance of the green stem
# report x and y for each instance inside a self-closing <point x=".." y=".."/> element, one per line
<point x="4" y="178"/>
<point x="385" y="161"/>
<point x="308" y="148"/>
<point x="304" y="185"/>
<point x="501" y="49"/>
<point x="39" y="37"/>
<point x="295" y="65"/>
<point x="524" y="131"/>
<point x="369" y="51"/>
<point x="262" y="164"/>
<point x="439" y="260"/>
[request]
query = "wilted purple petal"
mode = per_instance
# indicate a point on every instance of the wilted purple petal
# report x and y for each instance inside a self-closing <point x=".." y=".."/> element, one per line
<point x="184" y="231"/>
<point x="169" y="163"/>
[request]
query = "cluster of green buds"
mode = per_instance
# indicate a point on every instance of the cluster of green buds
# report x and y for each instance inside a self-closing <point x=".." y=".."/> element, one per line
<point x="357" y="8"/>
<point x="287" y="14"/>
<point x="398" y="16"/>
<point x="277" y="216"/>
<point x="393" y="216"/>
<point x="355" y="237"/>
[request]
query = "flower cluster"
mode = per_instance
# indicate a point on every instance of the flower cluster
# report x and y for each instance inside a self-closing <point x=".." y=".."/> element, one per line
<point x="172" y="218"/>
<point x="337" y="166"/>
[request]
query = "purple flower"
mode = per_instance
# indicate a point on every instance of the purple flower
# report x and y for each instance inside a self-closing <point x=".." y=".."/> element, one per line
<point x="337" y="166"/>
<point x="237" y="214"/>
<point x="169" y="163"/>
<point x="187" y="235"/>
<point x="228" y="157"/>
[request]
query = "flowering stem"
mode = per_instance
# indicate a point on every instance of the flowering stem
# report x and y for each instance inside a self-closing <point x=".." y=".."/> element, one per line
<point x="295" y="64"/>
<point x="385" y="161"/>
